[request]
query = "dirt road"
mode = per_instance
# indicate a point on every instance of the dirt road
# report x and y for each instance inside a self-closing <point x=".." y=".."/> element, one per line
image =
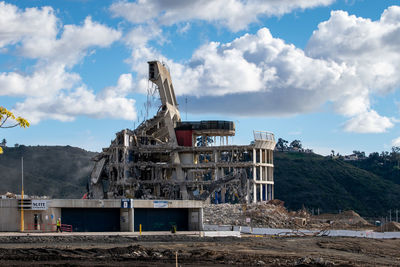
<point x="196" y="251"/>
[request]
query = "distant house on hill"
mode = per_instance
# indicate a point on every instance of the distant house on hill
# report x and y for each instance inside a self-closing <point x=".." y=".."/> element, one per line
<point x="295" y="149"/>
<point x="352" y="157"/>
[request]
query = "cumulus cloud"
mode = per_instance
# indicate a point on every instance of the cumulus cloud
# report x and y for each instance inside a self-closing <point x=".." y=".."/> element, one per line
<point x="73" y="44"/>
<point x="346" y="60"/>
<point x="234" y="14"/>
<point x="368" y="122"/>
<point x="372" y="47"/>
<point x="255" y="74"/>
<point x="44" y="81"/>
<point x="28" y="25"/>
<point x="51" y="90"/>
<point x="66" y="106"/>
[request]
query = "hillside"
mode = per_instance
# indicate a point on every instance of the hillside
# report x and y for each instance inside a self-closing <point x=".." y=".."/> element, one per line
<point x="332" y="185"/>
<point x="385" y="166"/>
<point x="56" y="171"/>
<point x="300" y="179"/>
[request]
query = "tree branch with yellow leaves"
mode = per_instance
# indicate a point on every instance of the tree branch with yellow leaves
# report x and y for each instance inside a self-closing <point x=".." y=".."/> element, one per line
<point x="12" y="121"/>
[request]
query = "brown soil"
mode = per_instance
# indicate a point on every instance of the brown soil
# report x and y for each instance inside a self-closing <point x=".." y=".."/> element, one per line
<point x="196" y="251"/>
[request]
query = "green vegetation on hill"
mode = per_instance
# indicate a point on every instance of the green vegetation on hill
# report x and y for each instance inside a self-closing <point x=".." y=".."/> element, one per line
<point x="55" y="171"/>
<point x="300" y="179"/>
<point x="385" y="165"/>
<point x="332" y="185"/>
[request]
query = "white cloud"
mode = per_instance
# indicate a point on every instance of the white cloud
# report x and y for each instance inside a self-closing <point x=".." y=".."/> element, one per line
<point x="346" y="61"/>
<point x="44" y="81"/>
<point x="36" y="30"/>
<point x="51" y="91"/>
<point x="254" y="74"/>
<point x="31" y="24"/>
<point x="372" y="47"/>
<point x="65" y="106"/>
<point x="396" y="142"/>
<point x="140" y="35"/>
<point x="368" y="122"/>
<point x="234" y="14"/>
<point x="73" y="43"/>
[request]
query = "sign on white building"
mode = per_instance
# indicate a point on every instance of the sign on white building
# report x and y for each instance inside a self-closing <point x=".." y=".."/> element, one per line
<point x="39" y="204"/>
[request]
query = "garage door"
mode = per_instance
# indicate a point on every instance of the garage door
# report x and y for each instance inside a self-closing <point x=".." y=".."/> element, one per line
<point x="161" y="219"/>
<point x="91" y="220"/>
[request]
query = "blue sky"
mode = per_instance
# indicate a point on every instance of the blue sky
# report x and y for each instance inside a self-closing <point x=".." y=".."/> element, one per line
<point x="322" y="71"/>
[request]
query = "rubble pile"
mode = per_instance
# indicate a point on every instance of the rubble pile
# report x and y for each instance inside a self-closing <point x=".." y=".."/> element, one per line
<point x="389" y="227"/>
<point x="271" y="215"/>
<point x="346" y="219"/>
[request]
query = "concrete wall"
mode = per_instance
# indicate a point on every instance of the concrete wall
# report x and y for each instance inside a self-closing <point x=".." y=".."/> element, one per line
<point x="85" y="203"/>
<point x="195" y="219"/>
<point x="9" y="215"/>
<point x="139" y="203"/>
<point x="127" y="220"/>
<point x="47" y="219"/>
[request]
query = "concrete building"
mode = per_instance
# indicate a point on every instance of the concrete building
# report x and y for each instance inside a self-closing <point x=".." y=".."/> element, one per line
<point x="167" y="158"/>
<point x="105" y="215"/>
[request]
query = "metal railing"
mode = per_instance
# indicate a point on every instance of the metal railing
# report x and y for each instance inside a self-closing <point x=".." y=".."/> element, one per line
<point x="48" y="227"/>
<point x="263" y="136"/>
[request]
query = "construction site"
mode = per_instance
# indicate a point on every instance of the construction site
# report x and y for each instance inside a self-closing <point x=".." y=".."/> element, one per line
<point x="167" y="158"/>
<point x="199" y="200"/>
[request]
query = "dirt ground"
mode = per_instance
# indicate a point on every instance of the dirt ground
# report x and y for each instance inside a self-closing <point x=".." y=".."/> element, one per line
<point x="196" y="251"/>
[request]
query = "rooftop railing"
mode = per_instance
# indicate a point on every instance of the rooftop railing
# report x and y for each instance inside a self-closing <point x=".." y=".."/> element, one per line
<point x="263" y="136"/>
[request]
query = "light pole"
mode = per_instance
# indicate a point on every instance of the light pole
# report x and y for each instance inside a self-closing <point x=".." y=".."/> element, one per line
<point x="22" y="195"/>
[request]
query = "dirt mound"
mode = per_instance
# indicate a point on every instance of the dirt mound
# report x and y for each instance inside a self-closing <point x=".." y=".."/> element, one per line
<point x="389" y="227"/>
<point x="348" y="218"/>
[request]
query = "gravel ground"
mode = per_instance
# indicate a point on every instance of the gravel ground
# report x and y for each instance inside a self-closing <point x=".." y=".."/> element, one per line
<point x="196" y="251"/>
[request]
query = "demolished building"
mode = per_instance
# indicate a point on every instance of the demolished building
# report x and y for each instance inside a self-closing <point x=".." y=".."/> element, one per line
<point x="167" y="158"/>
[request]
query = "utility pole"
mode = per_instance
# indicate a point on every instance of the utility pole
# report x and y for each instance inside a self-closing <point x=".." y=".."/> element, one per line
<point x="22" y="195"/>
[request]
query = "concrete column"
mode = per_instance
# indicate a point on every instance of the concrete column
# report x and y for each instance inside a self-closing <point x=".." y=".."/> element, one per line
<point x="216" y="159"/>
<point x="254" y="193"/>
<point x="223" y="191"/>
<point x="131" y="215"/>
<point x="254" y="176"/>
<point x="261" y="192"/>
<point x="201" y="219"/>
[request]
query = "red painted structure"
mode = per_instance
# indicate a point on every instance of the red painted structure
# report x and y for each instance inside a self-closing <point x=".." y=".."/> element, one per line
<point x="184" y="137"/>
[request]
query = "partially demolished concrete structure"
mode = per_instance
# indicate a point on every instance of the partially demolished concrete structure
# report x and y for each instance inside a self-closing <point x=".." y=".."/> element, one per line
<point x="166" y="158"/>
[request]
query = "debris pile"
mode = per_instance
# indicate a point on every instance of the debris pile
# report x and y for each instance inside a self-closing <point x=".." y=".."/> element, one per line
<point x="344" y="220"/>
<point x="10" y="195"/>
<point x="271" y="214"/>
<point x="389" y="227"/>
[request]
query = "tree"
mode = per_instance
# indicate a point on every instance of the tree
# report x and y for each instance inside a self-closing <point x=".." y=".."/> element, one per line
<point x="396" y="155"/>
<point x="8" y="120"/>
<point x="296" y="144"/>
<point x="359" y="154"/>
<point x="3" y="143"/>
<point x="6" y="115"/>
<point x="281" y="144"/>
